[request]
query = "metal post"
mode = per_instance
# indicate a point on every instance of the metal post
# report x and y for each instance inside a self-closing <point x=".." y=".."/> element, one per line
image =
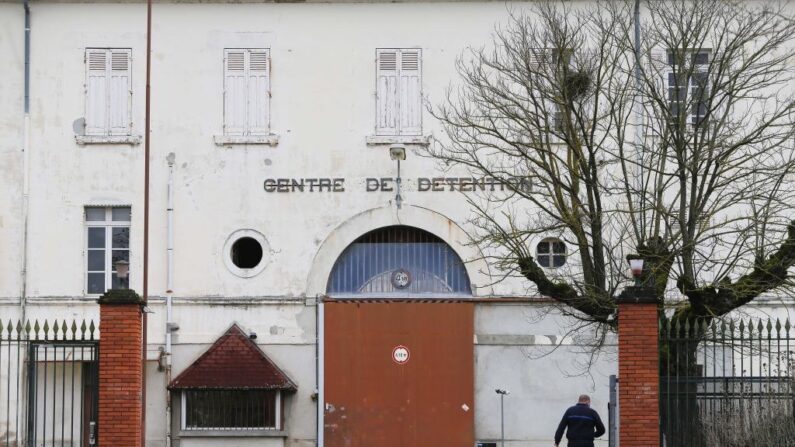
<point x="502" y="394"/>
<point x="502" y="420"/>
<point x="612" y="439"/>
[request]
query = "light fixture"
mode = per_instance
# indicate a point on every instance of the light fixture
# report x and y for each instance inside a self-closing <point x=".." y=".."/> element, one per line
<point x="122" y="269"/>
<point x="636" y="267"/>
<point x="397" y="153"/>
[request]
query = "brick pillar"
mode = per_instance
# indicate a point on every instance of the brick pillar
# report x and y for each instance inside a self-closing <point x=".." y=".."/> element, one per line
<point x="638" y="368"/>
<point x="120" y="371"/>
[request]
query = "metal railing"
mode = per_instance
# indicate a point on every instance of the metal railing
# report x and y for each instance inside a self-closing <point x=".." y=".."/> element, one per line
<point x="48" y="384"/>
<point x="727" y="383"/>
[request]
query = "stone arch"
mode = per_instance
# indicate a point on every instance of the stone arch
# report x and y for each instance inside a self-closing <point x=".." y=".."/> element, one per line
<point x="410" y="215"/>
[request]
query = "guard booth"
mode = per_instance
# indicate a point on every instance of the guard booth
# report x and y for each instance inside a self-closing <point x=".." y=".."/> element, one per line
<point x="399" y="322"/>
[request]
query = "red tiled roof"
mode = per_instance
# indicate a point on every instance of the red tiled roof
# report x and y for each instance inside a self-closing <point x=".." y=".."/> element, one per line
<point x="234" y="361"/>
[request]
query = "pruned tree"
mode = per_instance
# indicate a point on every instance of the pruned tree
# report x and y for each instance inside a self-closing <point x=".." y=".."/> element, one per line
<point x="687" y="161"/>
<point x="680" y="150"/>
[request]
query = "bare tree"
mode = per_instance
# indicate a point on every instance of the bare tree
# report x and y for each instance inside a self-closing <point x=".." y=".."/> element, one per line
<point x="688" y="161"/>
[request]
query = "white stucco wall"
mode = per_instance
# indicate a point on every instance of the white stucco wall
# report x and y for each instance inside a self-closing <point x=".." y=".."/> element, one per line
<point x="323" y="84"/>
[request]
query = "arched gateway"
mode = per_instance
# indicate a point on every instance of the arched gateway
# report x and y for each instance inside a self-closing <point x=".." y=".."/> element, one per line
<point x="398" y="349"/>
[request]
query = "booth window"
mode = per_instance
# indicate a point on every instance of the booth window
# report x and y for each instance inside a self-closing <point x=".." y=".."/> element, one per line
<point x="551" y="253"/>
<point x="232" y="389"/>
<point x="231" y="409"/>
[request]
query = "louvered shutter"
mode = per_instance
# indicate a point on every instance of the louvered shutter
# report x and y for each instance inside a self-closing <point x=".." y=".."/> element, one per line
<point x="258" y="118"/>
<point x="119" y="92"/>
<point x="410" y="93"/>
<point x="234" y="92"/>
<point x="96" y="91"/>
<point x="386" y="92"/>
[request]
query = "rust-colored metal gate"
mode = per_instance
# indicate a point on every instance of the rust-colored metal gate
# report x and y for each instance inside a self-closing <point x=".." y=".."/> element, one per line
<point x="399" y="373"/>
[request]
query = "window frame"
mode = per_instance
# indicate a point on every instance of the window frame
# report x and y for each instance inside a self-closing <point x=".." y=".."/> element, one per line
<point x="694" y="68"/>
<point x="278" y="417"/>
<point x="399" y="133"/>
<point x="108" y="132"/>
<point x="108" y="224"/>
<point x="246" y="132"/>
<point x="551" y="254"/>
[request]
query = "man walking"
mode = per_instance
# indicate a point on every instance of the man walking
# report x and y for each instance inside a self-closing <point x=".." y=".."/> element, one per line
<point x="583" y="424"/>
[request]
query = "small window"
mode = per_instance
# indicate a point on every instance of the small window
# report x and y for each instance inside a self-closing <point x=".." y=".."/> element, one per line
<point x="108" y="92"/>
<point x="246" y="253"/>
<point x="398" y="91"/>
<point x="231" y="410"/>
<point x="107" y="242"/>
<point x="688" y="85"/>
<point x="551" y="253"/>
<point x="247" y="91"/>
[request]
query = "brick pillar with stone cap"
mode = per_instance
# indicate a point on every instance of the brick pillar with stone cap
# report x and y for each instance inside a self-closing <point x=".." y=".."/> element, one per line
<point x="638" y="368"/>
<point x="120" y="370"/>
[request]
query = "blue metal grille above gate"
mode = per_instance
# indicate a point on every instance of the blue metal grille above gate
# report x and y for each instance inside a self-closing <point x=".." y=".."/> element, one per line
<point x="399" y="260"/>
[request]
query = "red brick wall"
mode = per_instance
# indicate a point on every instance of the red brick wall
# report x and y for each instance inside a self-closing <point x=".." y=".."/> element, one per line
<point x="638" y="375"/>
<point x="120" y="375"/>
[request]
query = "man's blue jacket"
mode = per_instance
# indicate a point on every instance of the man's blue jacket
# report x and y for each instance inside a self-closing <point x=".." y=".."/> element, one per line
<point x="583" y="424"/>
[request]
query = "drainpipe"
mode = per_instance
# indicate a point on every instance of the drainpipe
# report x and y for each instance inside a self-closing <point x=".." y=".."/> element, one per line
<point x="23" y="296"/>
<point x="170" y="326"/>
<point x="321" y="394"/>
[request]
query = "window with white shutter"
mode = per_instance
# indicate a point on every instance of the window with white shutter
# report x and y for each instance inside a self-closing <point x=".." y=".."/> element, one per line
<point x="108" y="91"/>
<point x="398" y="91"/>
<point x="247" y="92"/>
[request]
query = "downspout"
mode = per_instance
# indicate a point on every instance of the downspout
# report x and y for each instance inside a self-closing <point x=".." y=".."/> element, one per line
<point x="170" y="327"/>
<point x="23" y="296"/>
<point x="320" y="355"/>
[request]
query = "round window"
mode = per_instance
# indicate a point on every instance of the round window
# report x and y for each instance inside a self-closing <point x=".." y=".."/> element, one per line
<point x="551" y="253"/>
<point x="245" y="253"/>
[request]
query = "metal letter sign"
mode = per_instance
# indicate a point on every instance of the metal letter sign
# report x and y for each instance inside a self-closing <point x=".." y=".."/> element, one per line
<point x="400" y="354"/>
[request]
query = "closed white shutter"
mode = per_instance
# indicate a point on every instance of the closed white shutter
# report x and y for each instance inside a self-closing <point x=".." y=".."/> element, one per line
<point x="96" y="91"/>
<point x="410" y="93"/>
<point x="386" y="92"/>
<point x="234" y="92"/>
<point x="119" y="92"/>
<point x="258" y="92"/>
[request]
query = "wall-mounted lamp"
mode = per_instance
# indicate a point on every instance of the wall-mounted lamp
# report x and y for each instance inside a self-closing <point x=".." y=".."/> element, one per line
<point x="398" y="153"/>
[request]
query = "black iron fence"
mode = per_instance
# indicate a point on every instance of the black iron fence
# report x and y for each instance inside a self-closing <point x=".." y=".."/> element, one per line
<point x="48" y="384"/>
<point x="727" y="383"/>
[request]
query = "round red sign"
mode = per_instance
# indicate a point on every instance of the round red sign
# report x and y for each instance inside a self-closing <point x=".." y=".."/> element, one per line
<point x="400" y="354"/>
